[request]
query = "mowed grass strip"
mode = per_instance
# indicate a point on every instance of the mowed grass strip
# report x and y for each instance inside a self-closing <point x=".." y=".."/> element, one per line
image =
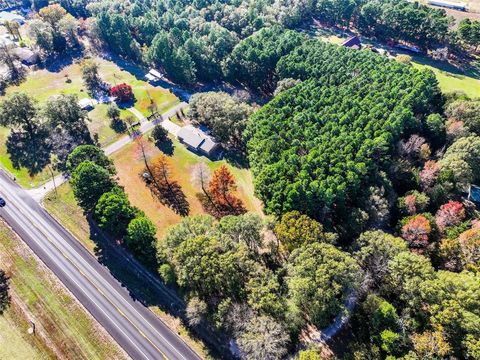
<point x="73" y="333"/>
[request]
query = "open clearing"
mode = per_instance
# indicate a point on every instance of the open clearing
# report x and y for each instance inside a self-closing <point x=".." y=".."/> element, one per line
<point x="450" y="78"/>
<point x="42" y="84"/>
<point x="70" y="331"/>
<point x="130" y="166"/>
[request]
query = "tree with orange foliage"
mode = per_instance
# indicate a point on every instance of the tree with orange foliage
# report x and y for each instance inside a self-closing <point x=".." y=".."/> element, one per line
<point x="450" y="214"/>
<point x="463" y="252"/>
<point x="416" y="230"/>
<point x="221" y="188"/>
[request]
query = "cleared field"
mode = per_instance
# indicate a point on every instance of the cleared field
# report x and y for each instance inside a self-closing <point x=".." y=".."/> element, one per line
<point x="42" y="84"/>
<point x="71" y="332"/>
<point x="450" y="78"/>
<point x="130" y="166"/>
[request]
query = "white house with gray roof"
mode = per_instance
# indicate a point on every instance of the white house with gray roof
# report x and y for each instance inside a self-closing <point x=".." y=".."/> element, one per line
<point x="197" y="140"/>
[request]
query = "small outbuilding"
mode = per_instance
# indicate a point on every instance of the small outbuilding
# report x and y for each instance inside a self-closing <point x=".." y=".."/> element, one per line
<point x="86" y="104"/>
<point x="154" y="75"/>
<point x="353" y="43"/>
<point x="197" y="140"/>
<point x="449" y="4"/>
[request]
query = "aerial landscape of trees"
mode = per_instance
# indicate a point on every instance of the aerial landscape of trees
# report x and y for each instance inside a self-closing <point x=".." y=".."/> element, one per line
<point x="366" y="171"/>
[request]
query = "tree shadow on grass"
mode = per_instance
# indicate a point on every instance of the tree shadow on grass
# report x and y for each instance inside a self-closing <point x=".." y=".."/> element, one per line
<point x="145" y="286"/>
<point x="171" y="196"/>
<point x="29" y="151"/>
<point x="166" y="147"/>
<point x="236" y="158"/>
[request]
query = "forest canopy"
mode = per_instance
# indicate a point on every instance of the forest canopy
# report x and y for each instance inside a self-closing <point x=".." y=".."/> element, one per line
<point x="314" y="147"/>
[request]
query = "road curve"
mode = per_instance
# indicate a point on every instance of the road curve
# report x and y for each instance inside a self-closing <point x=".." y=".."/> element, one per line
<point x="136" y="329"/>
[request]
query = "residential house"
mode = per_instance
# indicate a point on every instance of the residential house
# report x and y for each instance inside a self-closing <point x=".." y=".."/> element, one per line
<point x="197" y="140"/>
<point x="353" y="43"/>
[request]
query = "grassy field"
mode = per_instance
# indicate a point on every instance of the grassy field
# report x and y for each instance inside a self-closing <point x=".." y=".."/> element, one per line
<point x="130" y="166"/>
<point x="70" y="331"/>
<point x="450" y="78"/>
<point x="15" y="343"/>
<point x="42" y="84"/>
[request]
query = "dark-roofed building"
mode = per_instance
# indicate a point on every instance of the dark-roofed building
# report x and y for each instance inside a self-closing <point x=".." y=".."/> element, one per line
<point x="474" y="194"/>
<point x="353" y="43"/>
<point x="197" y="140"/>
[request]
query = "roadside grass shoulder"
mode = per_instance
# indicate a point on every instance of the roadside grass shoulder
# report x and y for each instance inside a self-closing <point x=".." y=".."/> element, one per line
<point x="15" y="343"/>
<point x="65" y="209"/>
<point x="70" y="331"/>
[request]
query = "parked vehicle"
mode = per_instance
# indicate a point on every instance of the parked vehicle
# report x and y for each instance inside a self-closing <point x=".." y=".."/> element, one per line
<point x="2" y="202"/>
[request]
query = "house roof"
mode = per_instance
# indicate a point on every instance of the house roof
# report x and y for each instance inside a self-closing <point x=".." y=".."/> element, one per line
<point x="26" y="55"/>
<point x="474" y="193"/>
<point x="150" y="77"/>
<point x="190" y="137"/>
<point x="352" y="42"/>
<point x="208" y="145"/>
<point x="197" y="138"/>
<point x="9" y="16"/>
<point x="154" y="75"/>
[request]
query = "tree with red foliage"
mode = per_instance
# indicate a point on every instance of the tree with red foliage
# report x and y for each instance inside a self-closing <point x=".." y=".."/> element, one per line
<point x="220" y="189"/>
<point x="416" y="230"/>
<point x="123" y="92"/>
<point x="450" y="214"/>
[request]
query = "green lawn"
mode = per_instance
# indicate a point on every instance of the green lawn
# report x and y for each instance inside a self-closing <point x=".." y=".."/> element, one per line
<point x="72" y="332"/>
<point x="23" y="178"/>
<point x="42" y="84"/>
<point x="15" y="343"/>
<point x="450" y="78"/>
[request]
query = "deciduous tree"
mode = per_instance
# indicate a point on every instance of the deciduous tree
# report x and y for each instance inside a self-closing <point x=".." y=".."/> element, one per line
<point x="114" y="212"/>
<point x="89" y="182"/>
<point x="320" y="278"/>
<point x="295" y="230"/>
<point x="141" y="240"/>
<point x="221" y="189"/>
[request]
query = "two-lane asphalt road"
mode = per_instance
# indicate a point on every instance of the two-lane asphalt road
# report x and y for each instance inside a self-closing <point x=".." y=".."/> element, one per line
<point x="138" y="331"/>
